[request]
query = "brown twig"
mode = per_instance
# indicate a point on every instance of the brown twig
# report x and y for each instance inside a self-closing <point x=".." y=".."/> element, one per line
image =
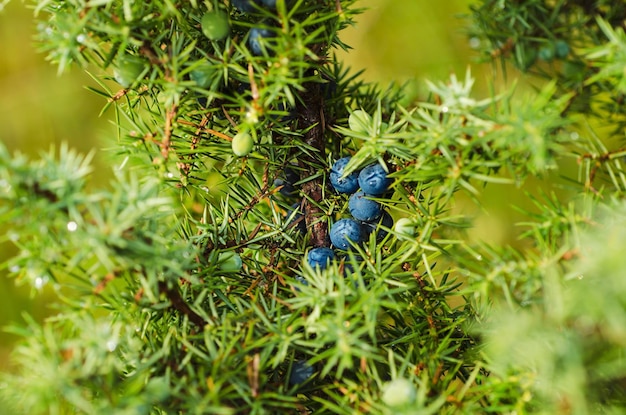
<point x="167" y="137"/>
<point x="311" y="118"/>
<point x="180" y="305"/>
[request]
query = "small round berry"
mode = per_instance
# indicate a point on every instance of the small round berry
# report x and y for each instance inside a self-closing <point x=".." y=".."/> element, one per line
<point x="546" y="53"/>
<point x="345" y="231"/>
<point x="405" y="228"/>
<point x="215" y="25"/>
<point x="348" y="184"/>
<point x="258" y="39"/>
<point x="300" y="372"/>
<point x="287" y="188"/>
<point x="128" y="69"/>
<point x="364" y="209"/>
<point x="229" y="261"/>
<point x="271" y="4"/>
<point x="320" y="257"/>
<point x="287" y="181"/>
<point x="561" y="49"/>
<point x="399" y="392"/>
<point x="245" y="5"/>
<point x="380" y="226"/>
<point x="359" y="121"/>
<point x="302" y="282"/>
<point x="203" y="75"/>
<point x="242" y="144"/>
<point x="373" y="180"/>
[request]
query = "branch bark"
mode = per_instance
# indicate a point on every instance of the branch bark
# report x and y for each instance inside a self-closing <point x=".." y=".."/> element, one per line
<point x="180" y="305"/>
<point x="311" y="118"/>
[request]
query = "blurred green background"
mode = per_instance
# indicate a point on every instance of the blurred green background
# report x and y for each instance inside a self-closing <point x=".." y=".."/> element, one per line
<point x="395" y="40"/>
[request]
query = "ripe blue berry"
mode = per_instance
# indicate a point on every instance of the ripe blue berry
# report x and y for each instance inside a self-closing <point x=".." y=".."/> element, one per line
<point x="348" y="184"/>
<point x="290" y="177"/>
<point x="345" y="230"/>
<point x="364" y="209"/>
<point x="300" y="372"/>
<point x="271" y="4"/>
<point x="245" y="5"/>
<point x="320" y="257"/>
<point x="385" y="220"/>
<point x="258" y="39"/>
<point x="373" y="180"/>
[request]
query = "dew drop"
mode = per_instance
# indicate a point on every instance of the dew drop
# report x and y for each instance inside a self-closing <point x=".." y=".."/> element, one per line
<point x="111" y="345"/>
<point x="72" y="226"/>
<point x="479" y="257"/>
<point x="574" y="135"/>
<point x="41" y="281"/>
<point x="169" y="175"/>
<point x="445" y="109"/>
<point x="252" y="116"/>
<point x="474" y="42"/>
<point x="81" y="38"/>
<point x="15" y="268"/>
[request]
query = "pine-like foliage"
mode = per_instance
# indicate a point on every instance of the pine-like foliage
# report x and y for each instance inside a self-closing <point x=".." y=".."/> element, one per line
<point x="184" y="286"/>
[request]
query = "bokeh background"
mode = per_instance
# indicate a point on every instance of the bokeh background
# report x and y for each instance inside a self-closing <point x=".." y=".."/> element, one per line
<point x="396" y="40"/>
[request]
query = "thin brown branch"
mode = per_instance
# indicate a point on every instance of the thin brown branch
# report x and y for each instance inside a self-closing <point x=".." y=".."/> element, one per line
<point x="167" y="137"/>
<point x="311" y="118"/>
<point x="180" y="305"/>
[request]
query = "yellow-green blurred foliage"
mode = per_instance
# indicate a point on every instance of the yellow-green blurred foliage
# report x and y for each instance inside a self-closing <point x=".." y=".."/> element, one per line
<point x="396" y="40"/>
<point x="38" y="109"/>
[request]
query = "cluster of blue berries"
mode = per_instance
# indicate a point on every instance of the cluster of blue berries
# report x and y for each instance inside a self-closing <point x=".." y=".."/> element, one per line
<point x="368" y="215"/>
<point x="258" y="35"/>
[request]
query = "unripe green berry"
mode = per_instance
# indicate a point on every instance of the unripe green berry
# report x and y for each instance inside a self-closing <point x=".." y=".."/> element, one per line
<point x="128" y="69"/>
<point x="202" y="76"/>
<point x="242" y="144"/>
<point x="215" y="25"/>
<point x="399" y="392"/>
<point x="359" y="121"/>
<point x="561" y="49"/>
<point x="404" y="228"/>
<point x="546" y="53"/>
<point x="229" y="261"/>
